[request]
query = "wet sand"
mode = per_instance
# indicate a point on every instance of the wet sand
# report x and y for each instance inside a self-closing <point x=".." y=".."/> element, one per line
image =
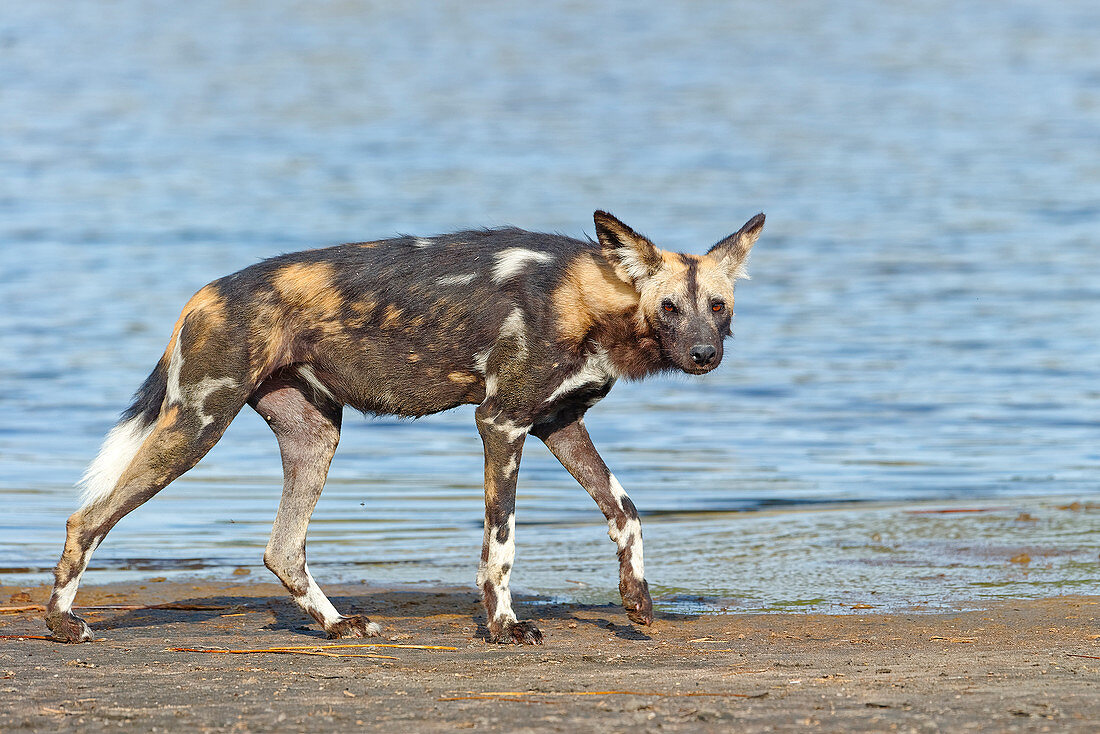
<point x="1027" y="665"/>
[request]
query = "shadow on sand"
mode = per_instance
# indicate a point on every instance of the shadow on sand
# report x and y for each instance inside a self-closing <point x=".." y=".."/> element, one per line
<point x="286" y="616"/>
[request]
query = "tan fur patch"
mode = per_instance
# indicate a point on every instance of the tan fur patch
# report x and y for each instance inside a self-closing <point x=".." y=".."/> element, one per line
<point x="675" y="260"/>
<point x="414" y="358"/>
<point x="363" y="309"/>
<point x="589" y="291"/>
<point x="302" y="295"/>
<point x="170" y="415"/>
<point x="713" y="282"/>
<point x="210" y="305"/>
<point x="393" y="316"/>
<point x="462" y="378"/>
<point x="308" y="287"/>
<point x="668" y="282"/>
<point x="268" y="337"/>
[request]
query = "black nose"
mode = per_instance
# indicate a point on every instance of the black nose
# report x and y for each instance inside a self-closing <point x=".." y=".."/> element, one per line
<point x="703" y="354"/>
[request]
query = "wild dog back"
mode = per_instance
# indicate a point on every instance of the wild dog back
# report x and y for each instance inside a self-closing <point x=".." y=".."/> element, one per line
<point x="402" y="326"/>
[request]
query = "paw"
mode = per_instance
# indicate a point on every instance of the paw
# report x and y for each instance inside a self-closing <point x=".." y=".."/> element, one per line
<point x="511" y="632"/>
<point x="351" y="627"/>
<point x="67" y="627"/>
<point x="636" y="601"/>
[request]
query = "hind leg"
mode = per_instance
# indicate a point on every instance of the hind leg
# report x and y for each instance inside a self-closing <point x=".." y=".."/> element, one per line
<point x="180" y="437"/>
<point x="306" y="423"/>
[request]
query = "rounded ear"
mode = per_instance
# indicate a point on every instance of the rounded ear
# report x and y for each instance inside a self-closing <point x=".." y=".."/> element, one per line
<point x="732" y="253"/>
<point x="633" y="256"/>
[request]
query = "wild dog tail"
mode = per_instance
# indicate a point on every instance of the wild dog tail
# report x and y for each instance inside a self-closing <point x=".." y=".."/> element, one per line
<point x="124" y="440"/>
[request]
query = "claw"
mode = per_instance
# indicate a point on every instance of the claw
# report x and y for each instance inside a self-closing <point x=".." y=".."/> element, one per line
<point x="67" y="627"/>
<point x="636" y="601"/>
<point x="512" y="632"/>
<point x="639" y="616"/>
<point x="351" y="627"/>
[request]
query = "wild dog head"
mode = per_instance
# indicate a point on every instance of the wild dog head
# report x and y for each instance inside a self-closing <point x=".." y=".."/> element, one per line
<point x="687" y="300"/>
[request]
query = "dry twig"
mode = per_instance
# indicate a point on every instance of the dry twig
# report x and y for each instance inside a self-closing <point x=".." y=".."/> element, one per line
<point x="511" y="695"/>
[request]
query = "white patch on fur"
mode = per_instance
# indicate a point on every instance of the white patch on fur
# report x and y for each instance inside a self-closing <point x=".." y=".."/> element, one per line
<point x="511" y="431"/>
<point x="617" y="490"/>
<point x="118" y="450"/>
<point x="596" y="370"/>
<point x="633" y="264"/>
<point x="497" y="569"/>
<point x="193" y="396"/>
<point x="464" y="279"/>
<point x="306" y="372"/>
<point x="510" y="468"/>
<point x="637" y="565"/>
<point x="481" y="361"/>
<point x="422" y="242"/>
<point x="65" y="595"/>
<point x="514" y="327"/>
<point x="197" y="395"/>
<point x="175" y="365"/>
<point x="315" y="602"/>
<point x="630" y="535"/>
<point x="490" y="386"/>
<point x="510" y="261"/>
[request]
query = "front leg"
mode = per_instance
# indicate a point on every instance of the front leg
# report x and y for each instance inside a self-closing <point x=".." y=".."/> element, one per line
<point x="503" y="440"/>
<point x="569" y="441"/>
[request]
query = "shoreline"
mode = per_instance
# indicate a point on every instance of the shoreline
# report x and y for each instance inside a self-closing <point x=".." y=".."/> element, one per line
<point x="1017" y="665"/>
<point x="899" y="557"/>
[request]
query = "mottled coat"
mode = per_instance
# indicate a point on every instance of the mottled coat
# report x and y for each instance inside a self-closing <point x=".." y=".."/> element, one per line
<point x="533" y="328"/>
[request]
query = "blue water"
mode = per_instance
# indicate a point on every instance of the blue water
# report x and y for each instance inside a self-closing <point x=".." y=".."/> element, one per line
<point x="922" y="328"/>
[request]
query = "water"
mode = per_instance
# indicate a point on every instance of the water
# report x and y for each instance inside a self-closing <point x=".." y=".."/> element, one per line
<point x="920" y="332"/>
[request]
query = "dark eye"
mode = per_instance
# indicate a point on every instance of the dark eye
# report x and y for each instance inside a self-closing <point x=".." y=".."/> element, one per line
<point x="668" y="305"/>
<point x="717" y="306"/>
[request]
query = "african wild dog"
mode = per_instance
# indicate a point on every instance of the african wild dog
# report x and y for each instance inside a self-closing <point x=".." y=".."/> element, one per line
<point x="533" y="328"/>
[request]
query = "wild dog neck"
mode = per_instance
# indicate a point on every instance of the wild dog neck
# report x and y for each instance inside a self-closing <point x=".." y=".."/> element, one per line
<point x="597" y="310"/>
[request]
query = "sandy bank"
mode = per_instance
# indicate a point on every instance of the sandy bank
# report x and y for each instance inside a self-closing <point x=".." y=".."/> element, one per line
<point x="1029" y="665"/>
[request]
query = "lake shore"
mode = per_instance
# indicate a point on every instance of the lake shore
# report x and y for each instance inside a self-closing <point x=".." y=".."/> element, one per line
<point x="1020" y="665"/>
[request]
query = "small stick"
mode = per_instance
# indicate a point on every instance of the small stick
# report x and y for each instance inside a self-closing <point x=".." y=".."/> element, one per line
<point x="1091" y="657"/>
<point x="491" y="698"/>
<point x="121" y="607"/>
<point x="17" y="610"/>
<point x="617" y="693"/>
<point x="351" y="644"/>
<point x="280" y="651"/>
<point x="24" y="637"/>
<point x="166" y="605"/>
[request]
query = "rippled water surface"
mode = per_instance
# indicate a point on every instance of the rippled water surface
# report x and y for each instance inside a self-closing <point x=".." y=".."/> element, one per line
<point x="922" y="330"/>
